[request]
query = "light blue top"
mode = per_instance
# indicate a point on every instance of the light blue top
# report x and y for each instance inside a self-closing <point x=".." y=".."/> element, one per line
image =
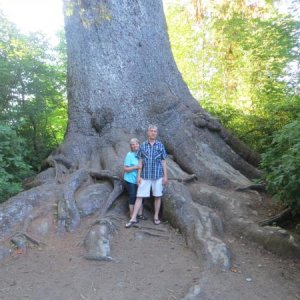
<point x="130" y="161"/>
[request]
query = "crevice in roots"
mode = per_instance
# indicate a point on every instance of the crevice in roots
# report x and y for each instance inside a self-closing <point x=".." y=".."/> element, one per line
<point x="118" y="188"/>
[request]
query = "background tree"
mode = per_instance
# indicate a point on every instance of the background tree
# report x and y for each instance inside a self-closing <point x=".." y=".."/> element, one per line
<point x="239" y="60"/>
<point x="32" y="100"/>
<point x="32" y="89"/>
<point x="282" y="166"/>
<point x="13" y="168"/>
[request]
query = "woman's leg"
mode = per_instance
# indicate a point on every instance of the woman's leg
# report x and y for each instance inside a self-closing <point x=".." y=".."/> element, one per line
<point x="130" y="210"/>
<point x="131" y="189"/>
<point x="136" y="209"/>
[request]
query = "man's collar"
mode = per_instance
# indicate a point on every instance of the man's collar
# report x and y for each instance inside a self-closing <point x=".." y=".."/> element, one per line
<point x="150" y="143"/>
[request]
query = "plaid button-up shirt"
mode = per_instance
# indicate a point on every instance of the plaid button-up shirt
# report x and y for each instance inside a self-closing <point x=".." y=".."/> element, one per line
<point x="152" y="156"/>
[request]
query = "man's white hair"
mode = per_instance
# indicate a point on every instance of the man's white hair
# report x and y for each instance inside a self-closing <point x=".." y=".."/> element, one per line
<point x="152" y="127"/>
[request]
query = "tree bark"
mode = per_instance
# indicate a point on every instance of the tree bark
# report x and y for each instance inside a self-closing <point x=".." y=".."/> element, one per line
<point x="122" y="77"/>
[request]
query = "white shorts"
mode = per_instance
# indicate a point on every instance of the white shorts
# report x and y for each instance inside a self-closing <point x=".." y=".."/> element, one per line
<point x="145" y="186"/>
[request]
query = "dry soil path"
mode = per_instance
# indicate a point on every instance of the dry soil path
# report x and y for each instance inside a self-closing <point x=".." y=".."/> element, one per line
<point x="145" y="267"/>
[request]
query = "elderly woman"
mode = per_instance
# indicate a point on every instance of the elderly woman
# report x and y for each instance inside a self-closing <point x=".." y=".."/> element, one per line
<point x="131" y="166"/>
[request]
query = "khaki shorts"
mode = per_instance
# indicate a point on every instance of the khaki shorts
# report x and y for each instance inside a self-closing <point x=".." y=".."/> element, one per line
<point x="145" y="186"/>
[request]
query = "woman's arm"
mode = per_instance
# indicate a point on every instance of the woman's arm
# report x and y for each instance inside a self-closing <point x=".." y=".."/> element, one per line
<point x="129" y="169"/>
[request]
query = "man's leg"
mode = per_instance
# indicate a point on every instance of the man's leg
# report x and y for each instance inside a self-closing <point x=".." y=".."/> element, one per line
<point x="140" y="214"/>
<point x="157" y="193"/>
<point x="157" y="204"/>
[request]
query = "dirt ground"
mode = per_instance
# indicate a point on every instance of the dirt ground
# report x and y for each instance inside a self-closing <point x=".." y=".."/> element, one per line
<point x="144" y="267"/>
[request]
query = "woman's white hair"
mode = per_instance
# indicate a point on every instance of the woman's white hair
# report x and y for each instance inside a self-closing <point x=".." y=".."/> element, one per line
<point x="134" y="140"/>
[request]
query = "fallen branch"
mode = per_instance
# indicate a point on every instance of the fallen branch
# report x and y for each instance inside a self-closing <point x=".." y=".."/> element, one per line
<point x="283" y="215"/>
<point x="255" y="187"/>
<point x="20" y="238"/>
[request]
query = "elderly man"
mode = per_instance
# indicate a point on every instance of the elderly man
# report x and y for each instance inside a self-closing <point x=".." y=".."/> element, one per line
<point x="152" y="174"/>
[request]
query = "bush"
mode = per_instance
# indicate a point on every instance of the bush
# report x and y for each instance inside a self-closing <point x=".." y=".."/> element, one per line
<point x="281" y="164"/>
<point x="13" y="169"/>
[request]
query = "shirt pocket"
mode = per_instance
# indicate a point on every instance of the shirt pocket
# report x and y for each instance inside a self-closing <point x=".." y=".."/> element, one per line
<point x="156" y="154"/>
<point x="145" y="154"/>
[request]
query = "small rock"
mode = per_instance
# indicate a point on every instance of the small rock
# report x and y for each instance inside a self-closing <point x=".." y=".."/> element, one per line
<point x="13" y="283"/>
<point x="248" y="279"/>
<point x="194" y="293"/>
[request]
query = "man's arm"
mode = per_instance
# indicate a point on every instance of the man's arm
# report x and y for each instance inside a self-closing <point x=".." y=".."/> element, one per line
<point x="139" y="171"/>
<point x="164" y="166"/>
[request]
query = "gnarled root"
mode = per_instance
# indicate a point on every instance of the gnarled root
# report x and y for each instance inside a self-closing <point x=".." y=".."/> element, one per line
<point x="14" y="212"/>
<point x="242" y="220"/>
<point x="68" y="214"/>
<point x="68" y="208"/>
<point x="199" y="224"/>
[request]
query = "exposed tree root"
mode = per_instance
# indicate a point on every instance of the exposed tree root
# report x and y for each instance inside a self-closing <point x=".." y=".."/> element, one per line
<point x="17" y="210"/>
<point x="199" y="224"/>
<point x="194" y="214"/>
<point x="68" y="214"/>
<point x="241" y="220"/>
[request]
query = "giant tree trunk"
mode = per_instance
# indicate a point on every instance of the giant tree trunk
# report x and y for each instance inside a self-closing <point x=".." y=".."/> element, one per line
<point x="121" y="78"/>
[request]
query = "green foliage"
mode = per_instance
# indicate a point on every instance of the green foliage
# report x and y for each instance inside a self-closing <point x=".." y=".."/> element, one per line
<point x="13" y="168"/>
<point x="237" y="60"/>
<point x="281" y="163"/>
<point x="32" y="89"/>
<point x="32" y="103"/>
<point x="241" y="62"/>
